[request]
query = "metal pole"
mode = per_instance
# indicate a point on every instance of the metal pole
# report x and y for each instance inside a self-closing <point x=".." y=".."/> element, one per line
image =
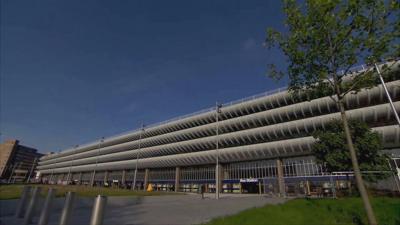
<point x="395" y="169"/>
<point x="57" y="175"/>
<point x="67" y="210"/>
<point x="97" y="161"/>
<point x="92" y="178"/>
<point x="394" y="175"/>
<point x="31" y="171"/>
<point x="29" y="212"/>
<point x="51" y="177"/>
<point x="98" y="210"/>
<point x="217" y="175"/>
<point x="387" y="94"/>
<point x="44" y="216"/>
<point x="12" y="172"/>
<point x="22" y="202"/>
<point x="69" y="177"/>
<point x="137" y="158"/>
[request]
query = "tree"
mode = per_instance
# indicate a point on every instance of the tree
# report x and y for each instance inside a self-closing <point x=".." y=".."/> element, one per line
<point x="324" y="39"/>
<point x="330" y="149"/>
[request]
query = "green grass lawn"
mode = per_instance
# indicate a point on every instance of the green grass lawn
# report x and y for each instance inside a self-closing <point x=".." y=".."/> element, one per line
<point x="317" y="211"/>
<point x="14" y="191"/>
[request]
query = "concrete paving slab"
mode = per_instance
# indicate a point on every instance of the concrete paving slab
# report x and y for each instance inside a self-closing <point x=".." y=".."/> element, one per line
<point x="149" y="210"/>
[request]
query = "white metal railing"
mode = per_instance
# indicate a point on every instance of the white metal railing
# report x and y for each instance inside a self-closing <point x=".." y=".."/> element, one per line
<point x="257" y="96"/>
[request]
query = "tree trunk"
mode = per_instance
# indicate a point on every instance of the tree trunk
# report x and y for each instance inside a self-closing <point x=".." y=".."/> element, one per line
<point x="356" y="168"/>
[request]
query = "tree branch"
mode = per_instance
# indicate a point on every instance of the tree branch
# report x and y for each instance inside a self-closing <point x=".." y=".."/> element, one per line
<point x="352" y="86"/>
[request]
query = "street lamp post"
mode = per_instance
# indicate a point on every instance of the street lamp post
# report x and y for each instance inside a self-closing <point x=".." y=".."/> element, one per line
<point x="217" y="174"/>
<point x="69" y="176"/>
<point x="387" y="94"/>
<point x="51" y="177"/>
<point x="137" y="157"/>
<point x="97" y="161"/>
<point x="54" y="175"/>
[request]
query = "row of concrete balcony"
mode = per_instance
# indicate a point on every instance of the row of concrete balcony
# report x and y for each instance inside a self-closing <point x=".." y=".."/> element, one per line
<point x="259" y="103"/>
<point x="287" y="114"/>
<point x="282" y="148"/>
<point x="287" y="130"/>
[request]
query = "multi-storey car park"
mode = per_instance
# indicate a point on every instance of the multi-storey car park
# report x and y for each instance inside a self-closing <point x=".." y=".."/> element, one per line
<point x="259" y="144"/>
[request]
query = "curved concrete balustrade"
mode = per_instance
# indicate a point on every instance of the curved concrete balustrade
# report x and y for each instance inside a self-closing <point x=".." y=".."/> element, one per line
<point x="285" y="130"/>
<point x="269" y="101"/>
<point x="289" y="113"/>
<point x="283" y="148"/>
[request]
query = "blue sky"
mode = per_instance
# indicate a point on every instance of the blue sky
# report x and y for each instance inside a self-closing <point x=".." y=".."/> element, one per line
<point x="74" y="71"/>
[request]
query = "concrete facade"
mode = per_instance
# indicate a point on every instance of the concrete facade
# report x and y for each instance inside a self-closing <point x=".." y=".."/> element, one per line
<point x="261" y="137"/>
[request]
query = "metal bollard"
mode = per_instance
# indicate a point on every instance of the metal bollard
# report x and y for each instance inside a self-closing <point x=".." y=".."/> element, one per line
<point x="67" y="210"/>
<point x="31" y="207"/>
<point x="44" y="216"/>
<point x="19" y="213"/>
<point x="98" y="210"/>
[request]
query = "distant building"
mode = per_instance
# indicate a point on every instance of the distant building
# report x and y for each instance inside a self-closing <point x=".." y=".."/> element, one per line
<point x="17" y="162"/>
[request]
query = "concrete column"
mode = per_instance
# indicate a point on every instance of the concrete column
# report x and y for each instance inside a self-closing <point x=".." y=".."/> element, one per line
<point x="177" y="178"/>
<point x="308" y="191"/>
<point x="80" y="178"/>
<point x="60" y="178"/>
<point x="105" y="180"/>
<point x="221" y="177"/>
<point x="92" y="179"/>
<point x="69" y="177"/>
<point x="281" y="180"/>
<point x="123" y="178"/>
<point x="146" y="178"/>
<point x="226" y="175"/>
<point x="50" y="178"/>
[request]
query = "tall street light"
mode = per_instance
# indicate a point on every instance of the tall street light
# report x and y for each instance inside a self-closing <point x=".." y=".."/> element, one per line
<point x="217" y="178"/>
<point x="52" y="172"/>
<point x="69" y="177"/>
<point x="97" y="160"/>
<point x="137" y="156"/>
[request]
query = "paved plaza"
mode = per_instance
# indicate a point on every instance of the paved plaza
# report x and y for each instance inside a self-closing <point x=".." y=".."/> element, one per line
<point x="154" y="210"/>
